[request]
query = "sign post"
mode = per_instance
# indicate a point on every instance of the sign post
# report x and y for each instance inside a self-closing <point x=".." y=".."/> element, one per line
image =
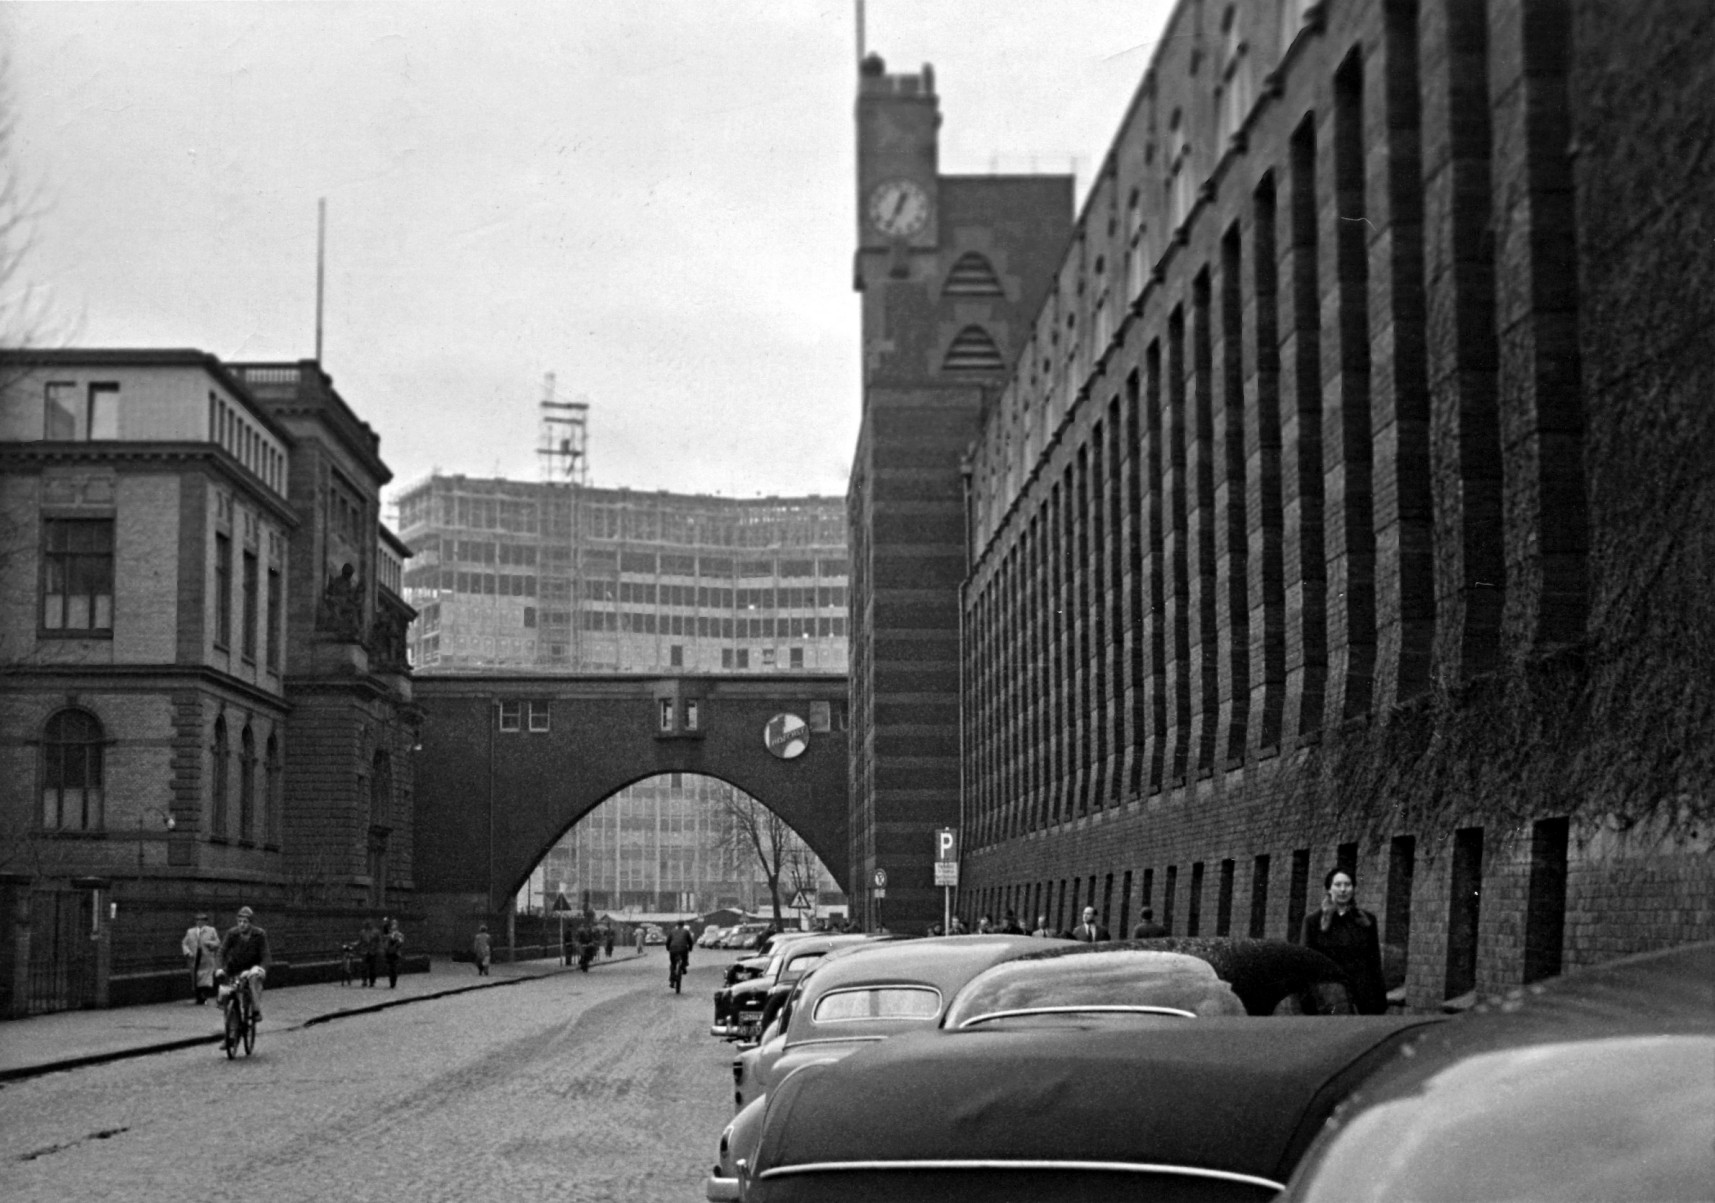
<point x="876" y="894"/>
<point x="947" y="871"/>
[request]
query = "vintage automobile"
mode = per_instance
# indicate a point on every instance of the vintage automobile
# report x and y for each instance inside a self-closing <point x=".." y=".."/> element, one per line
<point x="711" y="935"/>
<point x="1599" y="1084"/>
<point x="1127" y="984"/>
<point x="860" y="994"/>
<point x="1216" y="1110"/>
<point x="743" y="936"/>
<point x="1258" y="977"/>
<point x="739" y="1006"/>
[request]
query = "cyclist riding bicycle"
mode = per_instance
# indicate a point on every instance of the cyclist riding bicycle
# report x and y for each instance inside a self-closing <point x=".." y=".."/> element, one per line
<point x="679" y="942"/>
<point x="246" y="947"/>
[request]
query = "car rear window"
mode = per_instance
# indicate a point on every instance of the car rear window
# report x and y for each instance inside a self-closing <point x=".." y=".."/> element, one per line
<point x="878" y="1002"/>
<point x="800" y="965"/>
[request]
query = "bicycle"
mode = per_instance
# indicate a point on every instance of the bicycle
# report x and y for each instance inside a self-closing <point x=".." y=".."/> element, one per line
<point x="240" y="1016"/>
<point x="678" y="962"/>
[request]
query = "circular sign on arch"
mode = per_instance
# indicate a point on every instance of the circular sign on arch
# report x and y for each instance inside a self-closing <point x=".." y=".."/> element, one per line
<point x="786" y="735"/>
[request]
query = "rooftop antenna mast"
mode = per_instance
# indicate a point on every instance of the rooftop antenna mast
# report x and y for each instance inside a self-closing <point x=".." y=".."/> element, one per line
<point x="860" y="33"/>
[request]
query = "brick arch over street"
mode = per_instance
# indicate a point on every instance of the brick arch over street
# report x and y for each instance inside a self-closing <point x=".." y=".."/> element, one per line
<point x="507" y="764"/>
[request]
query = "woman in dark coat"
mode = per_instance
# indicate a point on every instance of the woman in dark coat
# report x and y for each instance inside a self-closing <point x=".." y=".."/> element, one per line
<point x="1346" y="934"/>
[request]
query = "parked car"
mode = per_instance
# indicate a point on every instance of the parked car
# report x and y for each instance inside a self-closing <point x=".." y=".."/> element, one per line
<point x="743" y="936"/>
<point x="1599" y="1084"/>
<point x="860" y="994"/>
<point x="739" y="1006"/>
<point x="1217" y="1110"/>
<point x="1124" y="984"/>
<point x="1202" y="976"/>
<point x="710" y="937"/>
<point x="652" y="934"/>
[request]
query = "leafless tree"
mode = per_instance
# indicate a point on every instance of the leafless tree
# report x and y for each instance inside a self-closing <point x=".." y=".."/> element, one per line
<point x="23" y="304"/>
<point x="749" y="829"/>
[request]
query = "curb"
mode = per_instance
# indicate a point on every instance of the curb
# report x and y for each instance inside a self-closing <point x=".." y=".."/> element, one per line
<point x="169" y="1046"/>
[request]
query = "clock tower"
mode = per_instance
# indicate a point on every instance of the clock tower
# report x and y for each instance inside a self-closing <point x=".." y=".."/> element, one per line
<point x="897" y="119"/>
<point x="953" y="270"/>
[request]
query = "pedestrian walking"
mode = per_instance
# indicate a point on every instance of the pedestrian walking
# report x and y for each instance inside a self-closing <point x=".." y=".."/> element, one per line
<point x="1346" y="934"/>
<point x="985" y="925"/>
<point x="481" y="950"/>
<point x="607" y="940"/>
<point x="201" y="947"/>
<point x="637" y="939"/>
<point x="1042" y="931"/>
<point x="1012" y="927"/>
<point x="392" y="949"/>
<point x="369" y="948"/>
<point x="1090" y="931"/>
<point x="1147" y="928"/>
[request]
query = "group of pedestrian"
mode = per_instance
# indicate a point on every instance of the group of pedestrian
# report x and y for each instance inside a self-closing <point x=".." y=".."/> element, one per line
<point x="376" y="944"/>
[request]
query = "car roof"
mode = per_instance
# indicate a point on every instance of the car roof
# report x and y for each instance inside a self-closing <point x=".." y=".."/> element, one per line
<point x="1096" y="975"/>
<point x="1598" y="1084"/>
<point x="1229" y="1094"/>
<point x="942" y="963"/>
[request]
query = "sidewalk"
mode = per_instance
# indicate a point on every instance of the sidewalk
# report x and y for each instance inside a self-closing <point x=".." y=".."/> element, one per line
<point x="68" y="1039"/>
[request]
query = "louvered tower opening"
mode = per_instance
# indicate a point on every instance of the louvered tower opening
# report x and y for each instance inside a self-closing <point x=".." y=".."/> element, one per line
<point x="973" y="351"/>
<point x="972" y="276"/>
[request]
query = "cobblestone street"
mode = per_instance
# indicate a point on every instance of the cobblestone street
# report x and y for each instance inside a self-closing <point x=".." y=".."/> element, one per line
<point x="579" y="1086"/>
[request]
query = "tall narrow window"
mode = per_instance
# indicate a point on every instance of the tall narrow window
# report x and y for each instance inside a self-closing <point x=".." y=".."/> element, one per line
<point x="1545" y="904"/>
<point x="1464" y="911"/>
<point x="246" y="785"/>
<point x="77" y="576"/>
<point x="1194" y="909"/>
<point x="539" y="715"/>
<point x="222" y="590"/>
<point x="510" y="715"/>
<point x="71" y="773"/>
<point x="1401" y="868"/>
<point x="222" y="753"/>
<point x="271" y="635"/>
<point x="1297" y="898"/>
<point x="274" y="801"/>
<point x="1124" y="929"/>
<point x="103" y="411"/>
<point x="1224" y="900"/>
<point x="59" y="416"/>
<point x="251" y="604"/>
<point x="1169" y="893"/>
<point x="1259" y="897"/>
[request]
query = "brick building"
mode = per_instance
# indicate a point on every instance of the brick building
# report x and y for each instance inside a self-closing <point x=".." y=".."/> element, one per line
<point x="1346" y="500"/>
<point x="161" y="656"/>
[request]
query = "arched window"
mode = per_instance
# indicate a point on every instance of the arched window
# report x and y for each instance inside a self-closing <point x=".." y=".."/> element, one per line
<point x="972" y="276"/>
<point x="273" y="803"/>
<point x="246" y="785"/>
<point x="222" y="754"/>
<point x="72" y="746"/>
<point x="973" y="351"/>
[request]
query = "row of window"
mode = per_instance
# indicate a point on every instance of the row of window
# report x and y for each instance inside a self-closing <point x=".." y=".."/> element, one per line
<point x="250" y="603"/>
<point x="73" y="415"/>
<point x="648" y="623"/>
<point x="233" y="430"/>
<point x="72" y="771"/>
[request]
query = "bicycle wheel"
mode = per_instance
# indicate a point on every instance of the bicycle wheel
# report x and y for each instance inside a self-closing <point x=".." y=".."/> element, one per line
<point x="233" y="1024"/>
<point x="249" y="1031"/>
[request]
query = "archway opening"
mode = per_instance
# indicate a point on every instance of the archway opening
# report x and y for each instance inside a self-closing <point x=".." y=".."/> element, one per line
<point x="678" y="845"/>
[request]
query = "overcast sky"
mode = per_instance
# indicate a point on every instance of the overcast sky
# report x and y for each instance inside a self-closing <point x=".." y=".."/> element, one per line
<point x="652" y="199"/>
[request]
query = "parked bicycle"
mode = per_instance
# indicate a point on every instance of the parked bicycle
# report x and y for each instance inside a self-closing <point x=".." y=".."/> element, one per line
<point x="240" y="1013"/>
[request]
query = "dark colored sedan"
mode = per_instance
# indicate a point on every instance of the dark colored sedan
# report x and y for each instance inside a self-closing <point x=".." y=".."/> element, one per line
<point x="1216" y="1110"/>
<point x="739" y="1005"/>
<point x="1599" y="1085"/>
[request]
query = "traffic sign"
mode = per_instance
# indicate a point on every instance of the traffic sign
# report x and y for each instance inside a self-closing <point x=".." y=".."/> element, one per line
<point x="803" y="900"/>
<point x="946" y="845"/>
<point x="786" y="736"/>
<point x="946" y="872"/>
<point x="881" y="879"/>
<point x="561" y="904"/>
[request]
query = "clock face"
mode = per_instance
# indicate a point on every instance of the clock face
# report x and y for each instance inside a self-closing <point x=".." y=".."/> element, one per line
<point x="899" y="208"/>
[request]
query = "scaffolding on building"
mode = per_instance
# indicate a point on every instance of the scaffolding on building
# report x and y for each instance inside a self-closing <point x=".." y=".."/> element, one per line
<point x="564" y="454"/>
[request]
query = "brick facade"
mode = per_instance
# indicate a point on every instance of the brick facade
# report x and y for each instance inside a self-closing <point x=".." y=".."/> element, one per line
<point x="1341" y="507"/>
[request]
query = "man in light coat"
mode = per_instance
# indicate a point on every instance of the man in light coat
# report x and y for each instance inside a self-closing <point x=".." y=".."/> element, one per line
<point x="201" y="947"/>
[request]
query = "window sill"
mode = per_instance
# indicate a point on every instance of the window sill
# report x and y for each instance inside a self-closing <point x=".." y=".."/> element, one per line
<point x="80" y="633"/>
<point x="63" y="833"/>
